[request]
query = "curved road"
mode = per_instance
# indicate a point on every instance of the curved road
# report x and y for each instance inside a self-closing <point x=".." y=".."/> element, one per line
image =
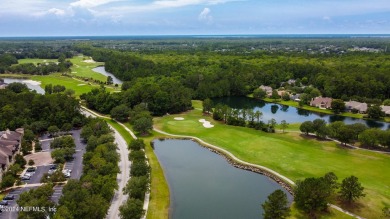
<point x="124" y="166"/>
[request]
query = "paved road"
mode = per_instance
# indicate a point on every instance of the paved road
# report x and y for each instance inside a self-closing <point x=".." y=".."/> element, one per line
<point x="36" y="178"/>
<point x="57" y="193"/>
<point x="122" y="177"/>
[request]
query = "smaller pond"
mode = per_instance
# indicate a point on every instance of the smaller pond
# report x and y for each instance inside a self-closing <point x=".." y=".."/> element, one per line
<point x="291" y="114"/>
<point x="33" y="85"/>
<point x="102" y="70"/>
<point x="204" y="185"/>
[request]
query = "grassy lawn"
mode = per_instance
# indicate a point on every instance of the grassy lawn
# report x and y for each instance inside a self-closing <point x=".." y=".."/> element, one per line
<point x="84" y="69"/>
<point x="36" y="61"/>
<point x="79" y="87"/>
<point x="159" y="190"/>
<point x="294" y="155"/>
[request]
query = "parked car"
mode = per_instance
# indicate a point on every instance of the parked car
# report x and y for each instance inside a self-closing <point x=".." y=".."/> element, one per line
<point x="53" y="166"/>
<point x="25" y="177"/>
<point x="9" y="197"/>
<point x="29" y="174"/>
<point x="51" y="171"/>
<point x="4" y="202"/>
<point x="31" y="169"/>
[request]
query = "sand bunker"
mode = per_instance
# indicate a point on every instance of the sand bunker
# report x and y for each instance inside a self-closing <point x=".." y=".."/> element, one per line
<point x="80" y="84"/>
<point x="89" y="61"/>
<point x="178" y="118"/>
<point x="32" y="82"/>
<point x="206" y="124"/>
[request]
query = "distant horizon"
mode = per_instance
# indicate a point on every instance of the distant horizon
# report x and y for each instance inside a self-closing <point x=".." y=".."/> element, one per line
<point x="285" y="35"/>
<point x="188" y="17"/>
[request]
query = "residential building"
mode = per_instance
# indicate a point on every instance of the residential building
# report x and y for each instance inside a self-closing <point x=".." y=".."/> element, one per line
<point x="267" y="90"/>
<point x="322" y="102"/>
<point x="296" y="97"/>
<point x="386" y="110"/>
<point x="356" y="106"/>
<point x="10" y="142"/>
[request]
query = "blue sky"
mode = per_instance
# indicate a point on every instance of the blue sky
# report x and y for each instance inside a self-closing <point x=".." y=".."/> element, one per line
<point x="179" y="17"/>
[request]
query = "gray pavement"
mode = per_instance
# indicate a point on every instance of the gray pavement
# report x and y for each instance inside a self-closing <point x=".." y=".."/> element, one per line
<point x="10" y="211"/>
<point x="76" y="165"/>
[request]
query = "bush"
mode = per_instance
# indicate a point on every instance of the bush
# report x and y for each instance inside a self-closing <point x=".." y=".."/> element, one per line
<point x="137" y="144"/>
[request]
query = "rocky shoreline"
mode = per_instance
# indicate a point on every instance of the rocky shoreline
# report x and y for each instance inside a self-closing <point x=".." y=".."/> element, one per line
<point x="239" y="165"/>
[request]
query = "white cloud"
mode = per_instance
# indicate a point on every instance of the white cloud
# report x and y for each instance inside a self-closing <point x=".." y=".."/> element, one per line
<point x="205" y="16"/>
<point x="56" y="11"/>
<point x="91" y="3"/>
<point x="326" y="18"/>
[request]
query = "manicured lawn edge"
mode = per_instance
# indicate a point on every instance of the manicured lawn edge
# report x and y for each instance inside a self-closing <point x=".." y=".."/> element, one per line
<point x="159" y="190"/>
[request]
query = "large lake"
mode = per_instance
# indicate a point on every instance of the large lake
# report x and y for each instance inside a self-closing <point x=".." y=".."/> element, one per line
<point x="204" y="185"/>
<point x="102" y="70"/>
<point x="33" y="85"/>
<point x="289" y="113"/>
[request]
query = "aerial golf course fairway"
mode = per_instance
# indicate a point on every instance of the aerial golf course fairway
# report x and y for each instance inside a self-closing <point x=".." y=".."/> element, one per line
<point x="294" y="155"/>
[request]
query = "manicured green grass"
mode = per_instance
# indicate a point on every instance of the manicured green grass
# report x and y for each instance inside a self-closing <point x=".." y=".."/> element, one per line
<point x="197" y="104"/>
<point x="16" y="76"/>
<point x="332" y="214"/>
<point x="36" y="61"/>
<point x="79" y="87"/>
<point x="84" y="69"/>
<point x="159" y="190"/>
<point x="294" y="155"/>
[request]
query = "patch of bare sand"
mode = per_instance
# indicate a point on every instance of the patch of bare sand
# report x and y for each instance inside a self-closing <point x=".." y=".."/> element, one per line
<point x="40" y="158"/>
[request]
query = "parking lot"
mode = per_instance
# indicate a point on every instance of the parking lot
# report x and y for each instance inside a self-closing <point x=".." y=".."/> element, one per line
<point x="75" y="165"/>
<point x="11" y="213"/>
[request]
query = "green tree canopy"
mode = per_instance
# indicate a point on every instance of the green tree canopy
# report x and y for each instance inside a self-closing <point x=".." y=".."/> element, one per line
<point x="276" y="206"/>
<point x="351" y="189"/>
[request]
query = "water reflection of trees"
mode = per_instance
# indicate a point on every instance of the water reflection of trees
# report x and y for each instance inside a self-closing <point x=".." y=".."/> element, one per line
<point x="335" y="118"/>
<point x="240" y="102"/>
<point x="375" y="124"/>
<point x="303" y="112"/>
<point x="274" y="109"/>
<point x="284" y="108"/>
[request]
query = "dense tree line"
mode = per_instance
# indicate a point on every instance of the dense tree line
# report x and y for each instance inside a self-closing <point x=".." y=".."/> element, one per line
<point x="138" y="184"/>
<point x="166" y="95"/>
<point x="90" y="197"/>
<point x="35" y="111"/>
<point x="368" y="137"/>
<point x="38" y="198"/>
<point x="210" y="74"/>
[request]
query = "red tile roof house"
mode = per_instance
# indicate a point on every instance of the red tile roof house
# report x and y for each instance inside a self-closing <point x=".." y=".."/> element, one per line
<point x="10" y="142"/>
<point x="322" y="102"/>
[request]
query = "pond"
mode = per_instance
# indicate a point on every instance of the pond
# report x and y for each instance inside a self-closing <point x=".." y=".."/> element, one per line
<point x="204" y="185"/>
<point x="102" y="70"/>
<point x="33" y="85"/>
<point x="291" y="114"/>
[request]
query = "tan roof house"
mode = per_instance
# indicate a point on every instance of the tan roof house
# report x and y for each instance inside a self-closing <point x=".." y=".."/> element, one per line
<point x="322" y="102"/>
<point x="267" y="89"/>
<point x="358" y="106"/>
<point x="386" y="110"/>
<point x="10" y="142"/>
